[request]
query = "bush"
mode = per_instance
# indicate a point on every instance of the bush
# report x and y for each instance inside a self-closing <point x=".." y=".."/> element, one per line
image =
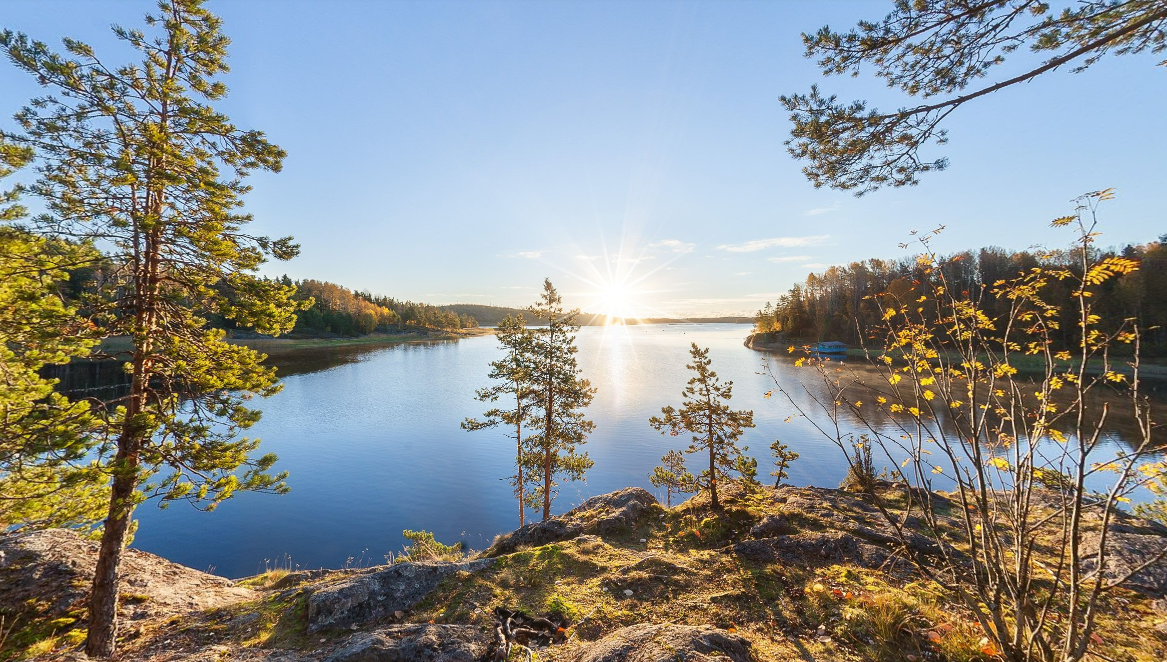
<point x="426" y="548"/>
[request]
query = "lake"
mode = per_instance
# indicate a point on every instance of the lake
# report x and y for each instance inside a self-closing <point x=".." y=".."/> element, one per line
<point x="371" y="439"/>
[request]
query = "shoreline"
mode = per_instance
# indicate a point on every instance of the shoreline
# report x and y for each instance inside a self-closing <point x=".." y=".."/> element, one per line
<point x="1151" y="370"/>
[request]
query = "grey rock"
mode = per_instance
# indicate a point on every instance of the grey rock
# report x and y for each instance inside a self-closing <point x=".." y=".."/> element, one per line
<point x="245" y="619"/>
<point x="54" y="568"/>
<point x="605" y="514"/>
<point x="770" y="526"/>
<point x="666" y="643"/>
<point x="379" y="592"/>
<point x="1127" y="548"/>
<point x="417" y="643"/>
<point x="812" y="548"/>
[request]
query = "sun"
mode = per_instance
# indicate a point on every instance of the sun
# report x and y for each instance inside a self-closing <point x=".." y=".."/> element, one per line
<point x="616" y="301"/>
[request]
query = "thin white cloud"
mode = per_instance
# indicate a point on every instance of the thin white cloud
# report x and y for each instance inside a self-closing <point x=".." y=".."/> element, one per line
<point x="742" y="273"/>
<point x="633" y="260"/>
<point x="775" y="242"/>
<point x="789" y="258"/>
<point x="822" y="210"/>
<point x="762" y="296"/>
<point x="674" y="245"/>
<point x="529" y="255"/>
<point x="588" y="258"/>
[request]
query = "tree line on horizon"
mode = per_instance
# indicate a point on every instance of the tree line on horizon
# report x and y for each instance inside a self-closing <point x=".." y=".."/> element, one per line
<point x="839" y="303"/>
<point x="337" y="310"/>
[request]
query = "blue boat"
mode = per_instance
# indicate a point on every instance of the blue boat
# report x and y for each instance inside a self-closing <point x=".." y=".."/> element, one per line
<point x="831" y="349"/>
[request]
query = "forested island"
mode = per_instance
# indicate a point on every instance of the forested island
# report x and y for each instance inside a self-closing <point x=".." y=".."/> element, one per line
<point x="987" y="511"/>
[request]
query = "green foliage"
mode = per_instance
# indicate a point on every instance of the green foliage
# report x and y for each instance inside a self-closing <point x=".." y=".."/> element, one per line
<point x="673" y="476"/>
<point x="704" y="413"/>
<point x="930" y="48"/>
<point x="423" y="547"/>
<point x="48" y="476"/>
<point x="783" y="457"/>
<point x="514" y="374"/>
<point x="561" y="394"/>
<point x="747" y="467"/>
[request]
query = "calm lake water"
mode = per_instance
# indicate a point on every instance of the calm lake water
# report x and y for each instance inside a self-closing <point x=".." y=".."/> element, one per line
<point x="372" y="441"/>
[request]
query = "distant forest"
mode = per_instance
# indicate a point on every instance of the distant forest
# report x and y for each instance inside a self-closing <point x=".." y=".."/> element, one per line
<point x="337" y="310"/>
<point x="492" y="315"/>
<point x="836" y="304"/>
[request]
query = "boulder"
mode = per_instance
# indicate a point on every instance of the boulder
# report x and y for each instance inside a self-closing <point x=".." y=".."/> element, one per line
<point x="605" y="514"/>
<point x="378" y="592"/>
<point x="666" y="643"/>
<point x="417" y="643"/>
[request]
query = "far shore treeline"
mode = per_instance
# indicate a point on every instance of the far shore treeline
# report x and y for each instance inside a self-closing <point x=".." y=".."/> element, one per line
<point x="835" y="304"/>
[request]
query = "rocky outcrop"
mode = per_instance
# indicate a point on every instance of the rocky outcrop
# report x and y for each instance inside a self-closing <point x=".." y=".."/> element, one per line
<point x="845" y="512"/>
<point x="374" y="594"/>
<point x="49" y="573"/>
<point x="606" y="515"/>
<point x="766" y="341"/>
<point x="666" y="643"/>
<point x="417" y="643"/>
<point x="1136" y="549"/>
<point x="806" y="548"/>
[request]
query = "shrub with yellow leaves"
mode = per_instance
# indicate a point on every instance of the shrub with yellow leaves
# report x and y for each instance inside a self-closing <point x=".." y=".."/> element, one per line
<point x="1015" y="448"/>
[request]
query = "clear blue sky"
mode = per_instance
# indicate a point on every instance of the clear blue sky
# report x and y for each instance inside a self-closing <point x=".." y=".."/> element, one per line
<point x="461" y="151"/>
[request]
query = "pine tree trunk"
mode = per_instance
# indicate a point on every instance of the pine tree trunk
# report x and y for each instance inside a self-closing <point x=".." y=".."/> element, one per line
<point x="712" y="479"/>
<point x="712" y="468"/>
<point x="547" y="443"/>
<point x="101" y="641"/>
<point x="103" y="601"/>
<point x="519" y="460"/>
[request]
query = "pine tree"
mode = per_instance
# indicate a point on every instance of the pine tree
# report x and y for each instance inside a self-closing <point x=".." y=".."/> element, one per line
<point x="783" y="456"/>
<point x="939" y="48"/>
<point x="47" y="476"/>
<point x="514" y="375"/>
<point x="561" y="395"/>
<point x="673" y="476"/>
<point x="136" y="157"/>
<point x="704" y="414"/>
<point x="747" y="468"/>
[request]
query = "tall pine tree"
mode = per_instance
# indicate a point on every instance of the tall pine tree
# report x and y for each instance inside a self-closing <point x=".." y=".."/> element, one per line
<point x="134" y="156"/>
<point x="561" y="395"/>
<point x="706" y="415"/>
<point x="513" y="373"/>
